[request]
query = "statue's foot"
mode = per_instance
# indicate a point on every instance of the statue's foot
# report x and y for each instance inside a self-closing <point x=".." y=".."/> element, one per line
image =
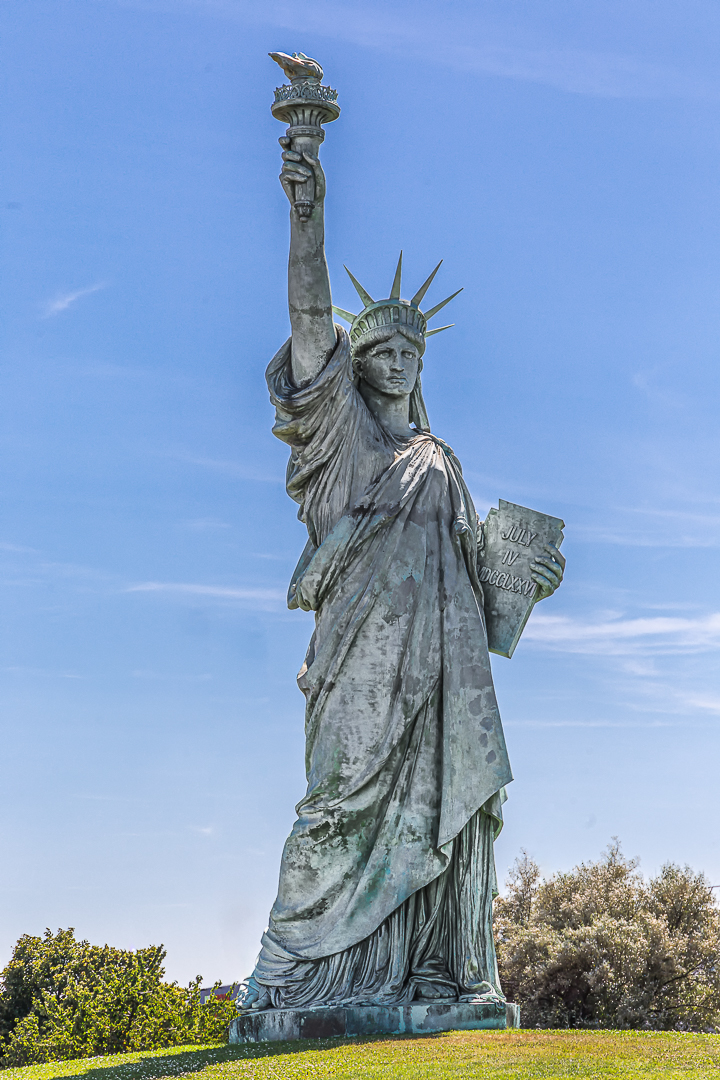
<point x="428" y="991"/>
<point x="255" y="998"/>
<point x="483" y="993"/>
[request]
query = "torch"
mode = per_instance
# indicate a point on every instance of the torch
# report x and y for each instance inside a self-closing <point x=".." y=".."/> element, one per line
<point x="304" y="105"/>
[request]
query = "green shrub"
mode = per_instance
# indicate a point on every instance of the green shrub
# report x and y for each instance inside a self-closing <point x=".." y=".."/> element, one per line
<point x="598" y="947"/>
<point x="62" y="998"/>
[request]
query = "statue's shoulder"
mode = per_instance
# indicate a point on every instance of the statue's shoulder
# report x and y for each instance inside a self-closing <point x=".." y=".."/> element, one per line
<point x="445" y="447"/>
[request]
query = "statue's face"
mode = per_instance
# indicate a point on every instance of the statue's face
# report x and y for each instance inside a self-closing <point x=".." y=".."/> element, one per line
<point x="391" y="367"/>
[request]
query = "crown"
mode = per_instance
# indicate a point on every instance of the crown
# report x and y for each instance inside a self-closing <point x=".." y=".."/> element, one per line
<point x="393" y="311"/>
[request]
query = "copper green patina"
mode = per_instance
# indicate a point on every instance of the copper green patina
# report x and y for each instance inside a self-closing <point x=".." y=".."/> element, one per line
<point x="387" y="878"/>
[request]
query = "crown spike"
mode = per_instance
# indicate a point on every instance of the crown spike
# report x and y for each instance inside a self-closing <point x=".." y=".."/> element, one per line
<point x="433" y="311"/>
<point x="364" y="296"/>
<point x="424" y="287"/>
<point x="346" y="315"/>
<point x="395" y="291"/>
<point x="439" y="329"/>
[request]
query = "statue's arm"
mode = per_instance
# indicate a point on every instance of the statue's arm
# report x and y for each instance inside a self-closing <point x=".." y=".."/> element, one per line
<point x="309" y="299"/>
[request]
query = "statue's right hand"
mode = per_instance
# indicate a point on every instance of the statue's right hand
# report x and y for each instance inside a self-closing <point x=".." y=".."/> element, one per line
<point x="299" y="168"/>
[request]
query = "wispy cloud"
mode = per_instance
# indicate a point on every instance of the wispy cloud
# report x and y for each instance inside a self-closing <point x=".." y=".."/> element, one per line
<point x="708" y="702"/>
<point x="221" y="591"/>
<point x="617" y="636"/>
<point x="24" y="566"/>
<point x="477" y="45"/>
<point x="64" y="300"/>
<point x="40" y="672"/>
<point x="653" y="527"/>
<point x="206" y="524"/>
<point x="34" y="571"/>
<point x="683" y="538"/>
<point x="164" y="676"/>
<point x="233" y="468"/>
<point x="624" y="723"/>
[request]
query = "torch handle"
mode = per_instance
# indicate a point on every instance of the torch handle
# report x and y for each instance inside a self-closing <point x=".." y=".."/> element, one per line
<point x="305" y="192"/>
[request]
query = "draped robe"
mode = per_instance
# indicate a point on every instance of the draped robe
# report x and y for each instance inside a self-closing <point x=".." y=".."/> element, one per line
<point x="387" y="878"/>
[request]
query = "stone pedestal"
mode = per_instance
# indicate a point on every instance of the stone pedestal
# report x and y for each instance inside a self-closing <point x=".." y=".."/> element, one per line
<point x="417" y="1018"/>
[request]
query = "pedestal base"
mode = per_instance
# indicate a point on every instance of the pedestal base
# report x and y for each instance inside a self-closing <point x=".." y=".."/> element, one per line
<point x="273" y="1025"/>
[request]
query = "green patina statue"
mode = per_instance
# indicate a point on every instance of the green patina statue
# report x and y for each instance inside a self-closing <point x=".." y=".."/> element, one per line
<point x="388" y="876"/>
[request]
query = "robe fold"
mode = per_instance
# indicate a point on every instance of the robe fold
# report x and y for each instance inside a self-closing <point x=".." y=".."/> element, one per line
<point x="387" y="877"/>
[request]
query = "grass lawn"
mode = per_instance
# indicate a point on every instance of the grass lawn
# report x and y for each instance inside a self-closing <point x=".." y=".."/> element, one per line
<point x="622" y="1055"/>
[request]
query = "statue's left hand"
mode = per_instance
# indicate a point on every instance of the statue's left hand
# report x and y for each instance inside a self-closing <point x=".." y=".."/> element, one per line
<point x="547" y="571"/>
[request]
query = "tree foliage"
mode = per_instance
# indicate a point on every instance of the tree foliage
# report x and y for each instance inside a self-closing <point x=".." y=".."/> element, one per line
<point x="63" y="998"/>
<point x="599" y="947"/>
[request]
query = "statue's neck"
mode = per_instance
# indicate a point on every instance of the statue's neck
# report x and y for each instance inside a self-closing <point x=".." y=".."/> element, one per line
<point x="393" y="413"/>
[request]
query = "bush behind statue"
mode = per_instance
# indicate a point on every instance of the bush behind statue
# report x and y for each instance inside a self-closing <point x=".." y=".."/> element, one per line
<point x="63" y="998"/>
<point x="599" y="947"/>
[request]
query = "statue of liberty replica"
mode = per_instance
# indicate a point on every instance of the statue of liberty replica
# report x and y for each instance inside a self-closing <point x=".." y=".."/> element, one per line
<point x="388" y="876"/>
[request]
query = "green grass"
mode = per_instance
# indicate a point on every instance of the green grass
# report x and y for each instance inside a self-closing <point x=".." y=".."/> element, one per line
<point x="524" y="1055"/>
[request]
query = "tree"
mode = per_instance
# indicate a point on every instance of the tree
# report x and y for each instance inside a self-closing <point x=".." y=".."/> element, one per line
<point x="600" y="947"/>
<point x="63" y="998"/>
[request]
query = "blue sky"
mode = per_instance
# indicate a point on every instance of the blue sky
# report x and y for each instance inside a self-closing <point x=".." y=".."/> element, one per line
<point x="563" y="158"/>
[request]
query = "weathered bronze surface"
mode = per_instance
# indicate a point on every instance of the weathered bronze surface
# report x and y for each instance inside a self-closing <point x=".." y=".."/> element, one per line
<point x="388" y="876"/>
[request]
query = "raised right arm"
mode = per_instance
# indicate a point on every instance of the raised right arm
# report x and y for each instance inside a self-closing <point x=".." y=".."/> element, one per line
<point x="309" y="299"/>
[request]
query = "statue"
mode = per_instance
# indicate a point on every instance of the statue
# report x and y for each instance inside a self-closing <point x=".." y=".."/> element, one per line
<point x="388" y="876"/>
